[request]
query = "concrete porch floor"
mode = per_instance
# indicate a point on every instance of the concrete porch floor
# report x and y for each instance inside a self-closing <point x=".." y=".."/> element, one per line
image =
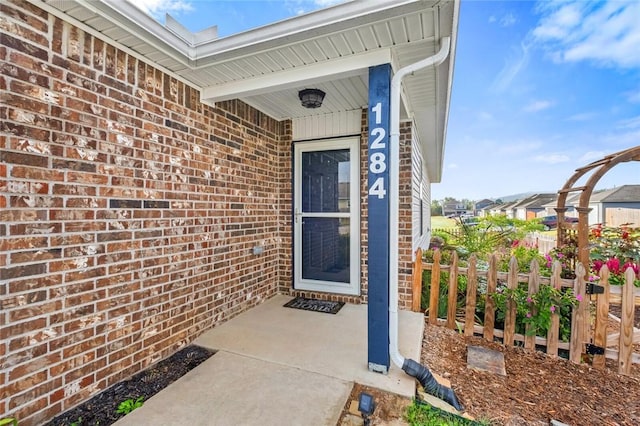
<point x="278" y="366"/>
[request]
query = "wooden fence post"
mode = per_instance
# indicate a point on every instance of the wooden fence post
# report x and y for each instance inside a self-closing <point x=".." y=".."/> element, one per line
<point x="553" y="336"/>
<point x="510" y="314"/>
<point x="602" y="318"/>
<point x="576" y="345"/>
<point x="434" y="291"/>
<point x="490" y="305"/>
<point x="417" y="282"/>
<point x="534" y="287"/>
<point x="452" y="299"/>
<point x="626" y="324"/>
<point x="472" y="286"/>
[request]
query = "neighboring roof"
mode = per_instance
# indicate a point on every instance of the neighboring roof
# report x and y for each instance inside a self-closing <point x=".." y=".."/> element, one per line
<point x="508" y="206"/>
<point x="535" y="201"/>
<point x="330" y="49"/>
<point x="622" y="194"/>
<point x="483" y="203"/>
<point x="487" y="207"/>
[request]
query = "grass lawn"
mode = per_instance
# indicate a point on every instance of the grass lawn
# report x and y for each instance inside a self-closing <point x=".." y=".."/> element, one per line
<point x="441" y="222"/>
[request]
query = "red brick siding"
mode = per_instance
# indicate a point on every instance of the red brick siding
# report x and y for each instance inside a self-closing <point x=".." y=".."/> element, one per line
<point x="129" y="213"/>
<point x="405" y="265"/>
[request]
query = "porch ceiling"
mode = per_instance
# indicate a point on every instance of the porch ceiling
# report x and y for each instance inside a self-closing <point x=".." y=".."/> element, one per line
<point x="330" y="49"/>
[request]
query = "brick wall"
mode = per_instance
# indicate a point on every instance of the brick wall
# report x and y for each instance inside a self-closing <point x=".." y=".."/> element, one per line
<point x="129" y="213"/>
<point x="405" y="246"/>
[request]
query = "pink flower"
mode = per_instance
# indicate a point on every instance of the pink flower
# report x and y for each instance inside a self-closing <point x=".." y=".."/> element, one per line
<point x="579" y="297"/>
<point x="529" y="299"/>
<point x="632" y="266"/>
<point x="597" y="265"/>
<point x="614" y="265"/>
<point x="528" y="314"/>
<point x="552" y="308"/>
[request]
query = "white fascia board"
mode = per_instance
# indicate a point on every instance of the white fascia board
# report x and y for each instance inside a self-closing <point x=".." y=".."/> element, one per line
<point x="308" y="26"/>
<point x="134" y="20"/>
<point x="324" y="71"/>
<point x="199" y="50"/>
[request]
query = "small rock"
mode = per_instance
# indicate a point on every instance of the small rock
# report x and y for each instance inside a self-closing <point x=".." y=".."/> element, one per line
<point x="351" y="420"/>
<point x="353" y="408"/>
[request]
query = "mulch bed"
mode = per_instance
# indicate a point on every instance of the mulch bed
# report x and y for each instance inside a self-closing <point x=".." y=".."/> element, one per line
<point x="102" y="408"/>
<point x="537" y="387"/>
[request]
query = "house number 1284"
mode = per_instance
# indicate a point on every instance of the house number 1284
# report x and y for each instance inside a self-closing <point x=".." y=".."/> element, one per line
<point x="377" y="160"/>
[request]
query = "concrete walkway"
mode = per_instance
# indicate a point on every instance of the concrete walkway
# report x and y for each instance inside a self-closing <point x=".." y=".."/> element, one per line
<point x="279" y="366"/>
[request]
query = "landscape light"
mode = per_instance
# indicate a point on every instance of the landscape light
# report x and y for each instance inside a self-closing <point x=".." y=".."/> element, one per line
<point x="366" y="406"/>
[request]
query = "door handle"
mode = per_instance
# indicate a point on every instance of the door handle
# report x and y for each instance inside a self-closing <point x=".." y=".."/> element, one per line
<point x="297" y="215"/>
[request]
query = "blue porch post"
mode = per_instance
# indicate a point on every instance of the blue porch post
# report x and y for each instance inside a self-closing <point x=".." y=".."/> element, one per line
<point x="378" y="222"/>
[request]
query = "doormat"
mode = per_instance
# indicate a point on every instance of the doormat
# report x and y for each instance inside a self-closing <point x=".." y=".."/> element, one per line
<point x="315" y="305"/>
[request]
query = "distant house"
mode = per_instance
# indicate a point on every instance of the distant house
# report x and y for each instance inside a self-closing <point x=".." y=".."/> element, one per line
<point x="616" y="206"/>
<point x="454" y="208"/>
<point x="529" y="207"/>
<point x="550" y="207"/>
<point x="612" y="207"/>
<point x="506" y="209"/>
<point x="480" y="206"/>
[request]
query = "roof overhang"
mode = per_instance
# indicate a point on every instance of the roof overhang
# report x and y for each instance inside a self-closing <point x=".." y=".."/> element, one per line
<point x="330" y="49"/>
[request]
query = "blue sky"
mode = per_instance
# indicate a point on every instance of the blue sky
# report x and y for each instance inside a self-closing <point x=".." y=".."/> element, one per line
<point x="540" y="88"/>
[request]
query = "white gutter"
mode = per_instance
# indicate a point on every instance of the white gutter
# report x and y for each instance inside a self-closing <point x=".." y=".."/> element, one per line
<point x="394" y="165"/>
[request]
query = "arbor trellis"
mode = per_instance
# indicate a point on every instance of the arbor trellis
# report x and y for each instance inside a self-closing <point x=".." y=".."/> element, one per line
<point x="599" y="169"/>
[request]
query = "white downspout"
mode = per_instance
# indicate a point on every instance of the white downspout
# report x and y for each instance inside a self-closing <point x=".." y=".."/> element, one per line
<point x="394" y="164"/>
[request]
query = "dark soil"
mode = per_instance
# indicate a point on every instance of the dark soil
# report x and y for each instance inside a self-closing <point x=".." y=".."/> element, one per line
<point x="102" y="409"/>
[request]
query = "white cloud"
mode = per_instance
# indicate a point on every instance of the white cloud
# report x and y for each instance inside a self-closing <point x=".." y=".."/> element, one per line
<point x="157" y="8"/>
<point x="591" y="156"/>
<point x="633" y="97"/>
<point x="508" y="20"/>
<point x="552" y="158"/>
<point x="511" y="69"/>
<point x="452" y="166"/>
<point x="619" y="141"/>
<point x="629" y="123"/>
<point x="300" y="7"/>
<point x="327" y="3"/>
<point x="538" y="106"/>
<point x="558" y="25"/>
<point x="606" y="33"/>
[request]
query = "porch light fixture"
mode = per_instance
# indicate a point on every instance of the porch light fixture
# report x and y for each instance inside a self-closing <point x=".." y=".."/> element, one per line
<point x="311" y="98"/>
